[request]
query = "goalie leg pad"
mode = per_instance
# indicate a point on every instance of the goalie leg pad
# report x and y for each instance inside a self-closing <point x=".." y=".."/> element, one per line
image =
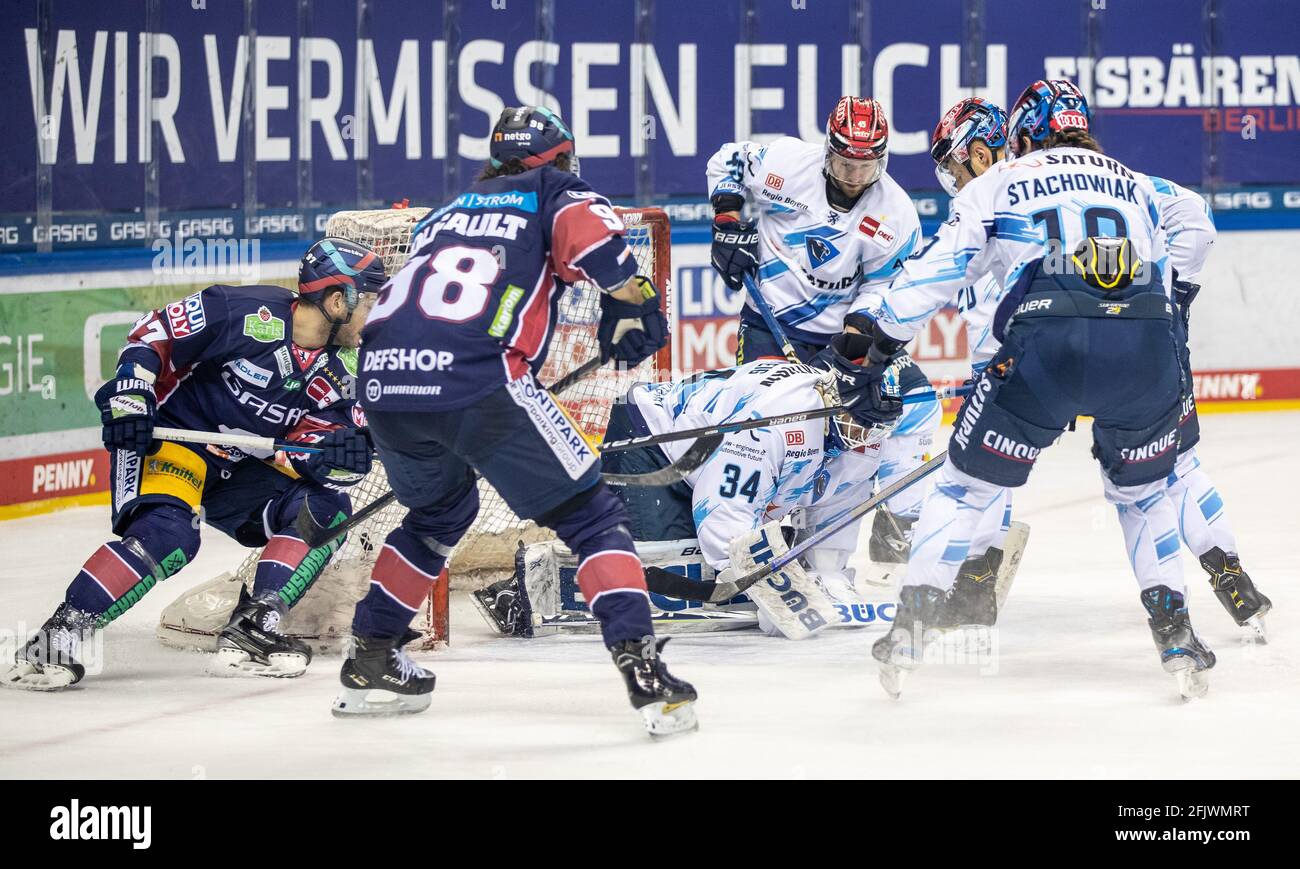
<point x="412" y="557"/>
<point x="594" y="527"/>
<point x="791" y="602"/>
<point x="158" y="541"/>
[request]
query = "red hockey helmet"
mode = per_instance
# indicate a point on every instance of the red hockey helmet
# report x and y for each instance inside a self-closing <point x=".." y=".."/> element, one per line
<point x="857" y="141"/>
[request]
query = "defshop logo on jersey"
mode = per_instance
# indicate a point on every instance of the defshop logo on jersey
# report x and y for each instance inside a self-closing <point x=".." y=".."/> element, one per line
<point x="186" y="316"/>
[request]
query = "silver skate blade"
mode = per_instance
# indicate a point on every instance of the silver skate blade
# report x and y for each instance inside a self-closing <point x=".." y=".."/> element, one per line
<point x="378" y="703"/>
<point x="891" y="679"/>
<point x="232" y="662"/>
<point x="1258" y="628"/>
<point x="26" y="676"/>
<point x="880" y="574"/>
<point x="669" y="719"/>
<point x="1192" y="683"/>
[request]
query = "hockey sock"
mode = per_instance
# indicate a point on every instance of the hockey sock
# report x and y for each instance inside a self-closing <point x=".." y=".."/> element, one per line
<point x="1150" y="525"/>
<point x="941" y="537"/>
<point x="288" y="566"/>
<point x="1201" y="519"/>
<point x="610" y="574"/>
<point x="157" y="543"/>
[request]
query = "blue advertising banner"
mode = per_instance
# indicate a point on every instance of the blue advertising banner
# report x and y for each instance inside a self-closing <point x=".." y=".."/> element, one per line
<point x="261" y="115"/>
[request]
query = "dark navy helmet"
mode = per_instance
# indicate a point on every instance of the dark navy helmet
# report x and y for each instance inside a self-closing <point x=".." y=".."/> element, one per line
<point x="338" y="262"/>
<point x="1046" y="107"/>
<point x="533" y="135"/>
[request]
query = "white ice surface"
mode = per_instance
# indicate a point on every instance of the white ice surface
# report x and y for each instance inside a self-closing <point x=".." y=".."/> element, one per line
<point x="1078" y="690"/>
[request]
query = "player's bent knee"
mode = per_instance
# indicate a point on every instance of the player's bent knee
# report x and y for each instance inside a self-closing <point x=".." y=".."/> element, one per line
<point x="447" y="519"/>
<point x="164" y="536"/>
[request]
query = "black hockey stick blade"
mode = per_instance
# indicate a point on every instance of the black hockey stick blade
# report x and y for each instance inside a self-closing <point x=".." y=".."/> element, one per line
<point x="576" y="374"/>
<point x="316" y="534"/>
<point x="697" y="455"/>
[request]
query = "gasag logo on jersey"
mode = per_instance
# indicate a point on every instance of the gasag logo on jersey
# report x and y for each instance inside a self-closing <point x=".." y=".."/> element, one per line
<point x="561" y="433"/>
<point x="186" y="317"/>
<point x="263" y="326"/>
<point x="407" y="359"/>
<point x="254" y="374"/>
<point x="263" y="409"/>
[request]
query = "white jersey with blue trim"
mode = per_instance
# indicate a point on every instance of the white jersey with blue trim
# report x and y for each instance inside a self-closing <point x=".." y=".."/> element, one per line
<point x="758" y="475"/>
<point x="1189" y="226"/>
<point x="1003" y="220"/>
<point x="815" y="262"/>
<point x="1189" y="235"/>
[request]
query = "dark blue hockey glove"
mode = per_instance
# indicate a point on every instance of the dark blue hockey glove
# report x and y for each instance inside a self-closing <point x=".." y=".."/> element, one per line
<point x="343" y="460"/>
<point x="735" y="250"/>
<point x="867" y="387"/>
<point x="127" y="407"/>
<point x="638" y="339"/>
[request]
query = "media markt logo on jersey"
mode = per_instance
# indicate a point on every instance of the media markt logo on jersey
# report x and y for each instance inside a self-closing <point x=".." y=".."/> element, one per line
<point x="129" y="823"/>
<point x="263" y="327"/>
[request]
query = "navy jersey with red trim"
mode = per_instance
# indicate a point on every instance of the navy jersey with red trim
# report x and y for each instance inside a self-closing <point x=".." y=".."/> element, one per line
<point x="478" y="298"/>
<point x="224" y="360"/>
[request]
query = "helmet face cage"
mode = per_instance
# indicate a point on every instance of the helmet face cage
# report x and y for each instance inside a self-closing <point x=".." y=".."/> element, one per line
<point x="1047" y="107"/>
<point x="843" y="432"/>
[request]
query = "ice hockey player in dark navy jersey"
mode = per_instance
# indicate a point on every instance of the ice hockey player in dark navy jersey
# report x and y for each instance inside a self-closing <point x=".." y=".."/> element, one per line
<point x="258" y="360"/>
<point x="448" y="382"/>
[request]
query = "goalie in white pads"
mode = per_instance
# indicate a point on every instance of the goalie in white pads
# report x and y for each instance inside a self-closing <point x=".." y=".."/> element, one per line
<point x="820" y="467"/>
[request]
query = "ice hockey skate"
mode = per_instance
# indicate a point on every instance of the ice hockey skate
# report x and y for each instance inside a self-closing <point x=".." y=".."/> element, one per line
<point x="666" y="704"/>
<point x="251" y="644"/>
<point x="380" y="679"/>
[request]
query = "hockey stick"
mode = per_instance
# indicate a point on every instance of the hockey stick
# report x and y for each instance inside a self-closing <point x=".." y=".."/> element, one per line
<point x="773" y="325"/>
<point x="674" y="585"/>
<point x="224" y="439"/>
<point x="315" y="534"/>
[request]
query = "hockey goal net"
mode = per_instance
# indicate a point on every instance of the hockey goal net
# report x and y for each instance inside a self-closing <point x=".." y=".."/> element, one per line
<point x="487" y="551"/>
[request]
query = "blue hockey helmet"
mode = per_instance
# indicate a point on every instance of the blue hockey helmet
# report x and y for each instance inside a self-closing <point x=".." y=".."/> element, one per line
<point x="338" y="262"/>
<point x="533" y="135"/>
<point x="1046" y="107"/>
<point x="969" y="121"/>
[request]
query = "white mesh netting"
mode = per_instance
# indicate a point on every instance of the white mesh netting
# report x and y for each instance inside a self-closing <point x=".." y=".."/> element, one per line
<point x="487" y="550"/>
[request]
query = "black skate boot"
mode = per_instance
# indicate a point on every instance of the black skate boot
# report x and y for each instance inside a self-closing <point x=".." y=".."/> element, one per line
<point x="974" y="599"/>
<point x="922" y="611"/>
<point x="888" y="547"/>
<point x="890" y="541"/>
<point x="1233" y="587"/>
<point x="666" y="703"/>
<point x="251" y="643"/>
<point x="1181" y="652"/>
<point x="50" y="659"/>
<point x="379" y="678"/>
<point x="505" y="605"/>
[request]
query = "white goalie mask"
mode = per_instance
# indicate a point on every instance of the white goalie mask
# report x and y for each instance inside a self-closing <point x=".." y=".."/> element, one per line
<point x="845" y="432"/>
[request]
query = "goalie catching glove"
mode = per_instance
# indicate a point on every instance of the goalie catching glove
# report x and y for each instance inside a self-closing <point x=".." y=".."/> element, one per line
<point x="343" y="460"/>
<point x="631" y="332"/>
<point x="127" y="407"/>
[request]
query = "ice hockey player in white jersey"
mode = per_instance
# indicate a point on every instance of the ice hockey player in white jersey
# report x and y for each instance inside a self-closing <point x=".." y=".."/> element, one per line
<point x="819" y="466"/>
<point x="833" y="229"/>
<point x="968" y="141"/>
<point x="1077" y="239"/>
